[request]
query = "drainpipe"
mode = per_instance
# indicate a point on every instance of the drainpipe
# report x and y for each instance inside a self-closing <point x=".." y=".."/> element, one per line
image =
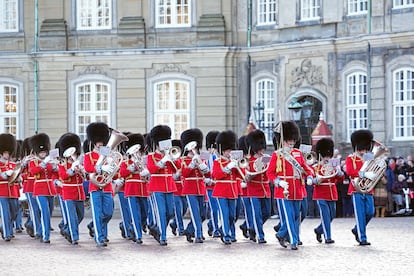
<point x="249" y="65"/>
<point x="36" y="66"/>
<point x="369" y="104"/>
<point x="369" y="16"/>
<point x="249" y="23"/>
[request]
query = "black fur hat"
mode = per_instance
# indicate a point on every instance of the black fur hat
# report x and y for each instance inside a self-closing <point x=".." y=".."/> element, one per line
<point x="362" y="139"/>
<point x="256" y="140"/>
<point x="7" y="143"/>
<point x="68" y="140"/>
<point x="98" y="132"/>
<point x="211" y="139"/>
<point x="26" y="146"/>
<point x="226" y="140"/>
<point x="242" y="144"/>
<point x="289" y="130"/>
<point x="18" y="152"/>
<point x="148" y="144"/>
<point x="192" y="134"/>
<point x="160" y="133"/>
<point x="86" y="146"/>
<point x="40" y="142"/>
<point x="176" y="143"/>
<point x="134" y="139"/>
<point x="324" y="147"/>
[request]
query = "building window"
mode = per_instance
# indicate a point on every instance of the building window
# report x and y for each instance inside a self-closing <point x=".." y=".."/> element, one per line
<point x="172" y="105"/>
<point x="265" y="107"/>
<point x="94" y="14"/>
<point x="9" y="16"/>
<point x="403" y="103"/>
<point x="357" y="100"/>
<point x="92" y="104"/>
<point x="8" y="109"/>
<point x="401" y="4"/>
<point x="356" y="7"/>
<point x="310" y="9"/>
<point x="173" y="13"/>
<point x="267" y="12"/>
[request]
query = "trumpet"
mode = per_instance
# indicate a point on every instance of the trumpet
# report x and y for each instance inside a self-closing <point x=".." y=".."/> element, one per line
<point x="71" y="153"/>
<point x="136" y="157"/>
<point x="310" y="158"/>
<point x="191" y="146"/>
<point x="174" y="153"/>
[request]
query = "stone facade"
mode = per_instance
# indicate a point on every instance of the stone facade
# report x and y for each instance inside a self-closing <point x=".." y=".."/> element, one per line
<point x="218" y="57"/>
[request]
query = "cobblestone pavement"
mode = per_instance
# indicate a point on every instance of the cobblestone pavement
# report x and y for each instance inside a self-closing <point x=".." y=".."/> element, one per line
<point x="391" y="253"/>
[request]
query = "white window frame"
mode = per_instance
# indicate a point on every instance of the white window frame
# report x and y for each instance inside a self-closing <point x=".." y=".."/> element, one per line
<point x="310" y="10"/>
<point x="13" y="102"/>
<point x="161" y="5"/>
<point x="94" y="9"/>
<point x="265" y="94"/>
<point x="403" y="103"/>
<point x="357" y="109"/>
<point x="357" y="7"/>
<point x="402" y="4"/>
<point x="166" y="111"/>
<point x="267" y="12"/>
<point x="9" y="12"/>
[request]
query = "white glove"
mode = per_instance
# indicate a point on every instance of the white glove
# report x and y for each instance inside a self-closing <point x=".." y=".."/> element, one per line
<point x="309" y="180"/>
<point x="368" y="156"/>
<point x="243" y="184"/>
<point x="203" y="167"/>
<point x="75" y="164"/>
<point x="118" y="182"/>
<point x="283" y="184"/>
<point x="9" y="172"/>
<point x="131" y="168"/>
<point x="144" y="173"/>
<point x="207" y="181"/>
<point x="165" y="159"/>
<point x="58" y="183"/>
<point x="47" y="159"/>
<point x="107" y="168"/>
<point x="231" y="165"/>
<point x="370" y="175"/>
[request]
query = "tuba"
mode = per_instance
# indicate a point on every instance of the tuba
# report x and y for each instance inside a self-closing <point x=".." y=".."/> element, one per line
<point x="114" y="159"/>
<point x="376" y="165"/>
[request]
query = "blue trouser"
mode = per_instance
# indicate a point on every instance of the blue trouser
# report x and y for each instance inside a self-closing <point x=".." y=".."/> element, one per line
<point x="261" y="208"/>
<point x="197" y="211"/>
<point x="75" y="212"/>
<point x="34" y="214"/>
<point x="227" y="209"/>
<point x="6" y="217"/>
<point x="248" y="214"/>
<point x="164" y="204"/>
<point x="180" y="207"/>
<point x="281" y="212"/>
<point x="327" y="210"/>
<point x="214" y="213"/>
<point x="152" y="215"/>
<point x="102" y="209"/>
<point x="64" y="222"/>
<point x="364" y="211"/>
<point x="125" y="214"/>
<point x="138" y="207"/>
<point x="14" y="209"/>
<point x="18" y="222"/>
<point x="291" y="209"/>
<point x="45" y="214"/>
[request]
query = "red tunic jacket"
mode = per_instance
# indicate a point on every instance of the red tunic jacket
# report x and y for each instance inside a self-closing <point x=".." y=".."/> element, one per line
<point x="134" y="185"/>
<point x="89" y="162"/>
<point x="161" y="178"/>
<point x="193" y="179"/>
<point x="44" y="177"/>
<point x="326" y="188"/>
<point x="226" y="185"/>
<point x="6" y="190"/>
<point x="284" y="170"/>
<point x="258" y="185"/>
<point x="72" y="185"/>
<point x="353" y="164"/>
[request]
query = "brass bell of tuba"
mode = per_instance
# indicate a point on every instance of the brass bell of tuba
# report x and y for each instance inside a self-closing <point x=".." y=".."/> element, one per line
<point x="114" y="159"/>
<point x="376" y="165"/>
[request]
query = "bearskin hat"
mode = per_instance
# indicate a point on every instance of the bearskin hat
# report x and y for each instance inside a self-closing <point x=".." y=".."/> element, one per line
<point x="362" y="139"/>
<point x="18" y="152"/>
<point x="176" y="143"/>
<point x="40" y="142"/>
<point x="7" y="143"/>
<point x="134" y="139"/>
<point x="148" y="144"/>
<point x="26" y="146"/>
<point x="242" y="144"/>
<point x="160" y="133"/>
<point x="98" y="132"/>
<point x="324" y="147"/>
<point x="192" y="134"/>
<point x="211" y="139"/>
<point x="256" y="140"/>
<point x="68" y="140"/>
<point x="86" y="146"/>
<point x="226" y="140"/>
<point x="289" y="130"/>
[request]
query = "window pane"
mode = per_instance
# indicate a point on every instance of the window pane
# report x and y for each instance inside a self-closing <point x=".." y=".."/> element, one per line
<point x="94" y="14"/>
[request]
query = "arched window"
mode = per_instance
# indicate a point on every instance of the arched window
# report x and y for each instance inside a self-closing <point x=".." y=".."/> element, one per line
<point x="403" y="103"/>
<point x="172" y="105"/>
<point x="265" y="106"/>
<point x="92" y="104"/>
<point x="9" y="109"/>
<point x="356" y="100"/>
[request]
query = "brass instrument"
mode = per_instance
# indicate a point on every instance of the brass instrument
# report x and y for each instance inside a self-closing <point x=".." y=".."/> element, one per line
<point x="76" y="161"/>
<point x="376" y="165"/>
<point x="325" y="171"/>
<point x="260" y="165"/>
<point x="114" y="159"/>
<point x="191" y="146"/>
<point x="17" y="171"/>
<point x="174" y="153"/>
<point x="310" y="158"/>
<point x="136" y="157"/>
<point x="242" y="162"/>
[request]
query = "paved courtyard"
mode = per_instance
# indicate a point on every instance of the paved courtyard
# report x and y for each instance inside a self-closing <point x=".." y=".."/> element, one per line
<point x="391" y="253"/>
